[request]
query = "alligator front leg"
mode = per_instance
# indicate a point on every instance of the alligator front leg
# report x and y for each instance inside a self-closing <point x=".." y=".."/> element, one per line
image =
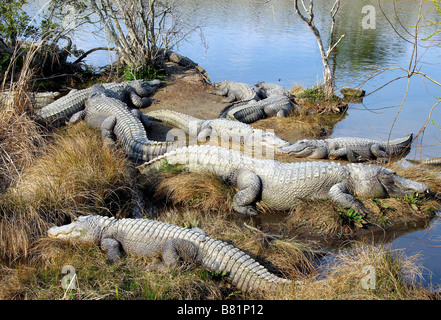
<point x="220" y="91"/>
<point x="77" y="117"/>
<point x="341" y="196"/>
<point x="344" y="153"/>
<point x="113" y="249"/>
<point x="250" y="187"/>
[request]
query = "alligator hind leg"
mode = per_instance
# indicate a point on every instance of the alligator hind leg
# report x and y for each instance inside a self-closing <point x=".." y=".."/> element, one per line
<point x="175" y="252"/>
<point x="250" y="187"/>
<point x="379" y="153"/>
<point x="107" y="130"/>
<point x="143" y="118"/>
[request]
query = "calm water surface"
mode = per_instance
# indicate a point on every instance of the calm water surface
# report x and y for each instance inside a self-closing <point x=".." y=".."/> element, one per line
<point x="249" y="41"/>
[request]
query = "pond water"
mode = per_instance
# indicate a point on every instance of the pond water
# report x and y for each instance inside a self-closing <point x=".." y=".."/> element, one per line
<point x="259" y="40"/>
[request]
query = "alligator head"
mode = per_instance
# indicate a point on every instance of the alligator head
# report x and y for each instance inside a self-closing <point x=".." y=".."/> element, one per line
<point x="145" y="88"/>
<point x="218" y="84"/>
<point x="315" y="149"/>
<point x="378" y="182"/>
<point x="83" y="228"/>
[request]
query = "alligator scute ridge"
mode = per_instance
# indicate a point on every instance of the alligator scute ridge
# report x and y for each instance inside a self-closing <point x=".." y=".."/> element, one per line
<point x="282" y="185"/>
<point x="143" y="237"/>
<point x="112" y="116"/>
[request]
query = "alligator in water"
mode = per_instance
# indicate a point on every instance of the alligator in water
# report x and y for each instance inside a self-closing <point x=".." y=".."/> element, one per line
<point x="352" y="149"/>
<point x="143" y="237"/>
<point x="282" y="185"/>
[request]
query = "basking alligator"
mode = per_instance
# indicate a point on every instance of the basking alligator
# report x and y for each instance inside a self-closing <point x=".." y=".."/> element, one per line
<point x="185" y="62"/>
<point x="235" y="91"/>
<point x="282" y="185"/>
<point x="350" y="148"/>
<point x="37" y="99"/>
<point x="133" y="92"/>
<point x="109" y="114"/>
<point x="276" y="102"/>
<point x="219" y="128"/>
<point x="144" y="237"/>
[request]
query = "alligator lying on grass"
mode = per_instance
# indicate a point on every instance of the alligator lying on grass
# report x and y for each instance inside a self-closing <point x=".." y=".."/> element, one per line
<point x="185" y="62"/>
<point x="37" y="99"/>
<point x="427" y="162"/>
<point x="61" y="110"/>
<point x="144" y="237"/>
<point x="112" y="116"/>
<point x="350" y="148"/>
<point x="281" y="185"/>
<point x="276" y="102"/>
<point x="218" y="128"/>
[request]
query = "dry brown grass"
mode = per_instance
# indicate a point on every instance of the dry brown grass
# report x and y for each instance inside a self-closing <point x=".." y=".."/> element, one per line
<point x="202" y="191"/>
<point x="397" y="277"/>
<point x="20" y="136"/>
<point x="74" y="176"/>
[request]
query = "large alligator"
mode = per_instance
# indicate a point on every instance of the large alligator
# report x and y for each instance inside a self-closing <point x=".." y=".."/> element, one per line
<point x="143" y="237"/>
<point x="235" y="91"/>
<point x="352" y="149"/>
<point x="223" y="128"/>
<point x="276" y="102"/>
<point x="106" y="112"/>
<point x="61" y="110"/>
<point x="185" y="62"/>
<point x="272" y="89"/>
<point x="282" y="185"/>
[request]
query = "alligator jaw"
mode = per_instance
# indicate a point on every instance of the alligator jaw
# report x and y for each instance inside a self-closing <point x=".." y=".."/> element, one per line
<point x="299" y="151"/>
<point x="402" y="186"/>
<point x="69" y="231"/>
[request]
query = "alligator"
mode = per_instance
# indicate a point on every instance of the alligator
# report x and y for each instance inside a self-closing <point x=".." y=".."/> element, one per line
<point x="109" y="114"/>
<point x="282" y="185"/>
<point x="351" y="148"/>
<point x="272" y="89"/>
<point x="144" y="237"/>
<point x="61" y="110"/>
<point x="219" y="128"/>
<point x="185" y="62"/>
<point x="37" y="99"/>
<point x="428" y="162"/>
<point x="235" y="91"/>
<point x="276" y="101"/>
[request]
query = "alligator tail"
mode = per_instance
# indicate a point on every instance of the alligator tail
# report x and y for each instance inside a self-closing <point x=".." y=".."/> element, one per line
<point x="176" y="119"/>
<point x="245" y="272"/>
<point x="403" y="141"/>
